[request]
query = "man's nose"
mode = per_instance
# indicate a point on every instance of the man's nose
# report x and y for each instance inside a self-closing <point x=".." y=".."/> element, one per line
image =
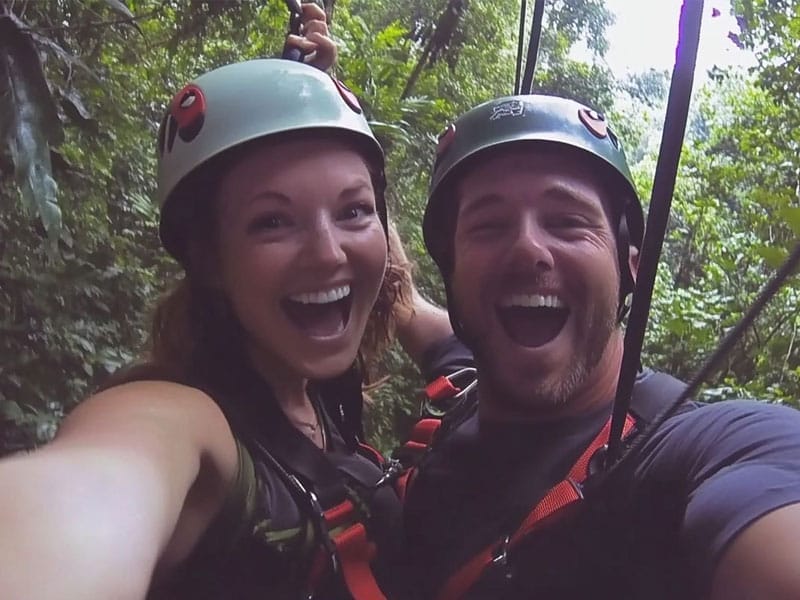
<point x="530" y="247"/>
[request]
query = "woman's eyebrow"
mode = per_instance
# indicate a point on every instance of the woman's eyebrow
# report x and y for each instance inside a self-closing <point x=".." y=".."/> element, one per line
<point x="356" y="189"/>
<point x="270" y="195"/>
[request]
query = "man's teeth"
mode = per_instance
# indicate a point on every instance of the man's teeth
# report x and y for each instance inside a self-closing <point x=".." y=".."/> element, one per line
<point x="324" y="297"/>
<point x="531" y="301"/>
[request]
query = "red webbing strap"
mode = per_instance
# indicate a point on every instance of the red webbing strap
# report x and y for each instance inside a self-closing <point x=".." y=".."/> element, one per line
<point x="422" y="434"/>
<point x="561" y="495"/>
<point x="440" y="388"/>
<point x="354" y="553"/>
<point x="424" y="429"/>
<point x="377" y="456"/>
<point x="402" y="482"/>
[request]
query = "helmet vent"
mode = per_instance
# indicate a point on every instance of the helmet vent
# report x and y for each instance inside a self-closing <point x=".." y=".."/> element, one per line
<point x="594" y="121"/>
<point x="614" y="139"/>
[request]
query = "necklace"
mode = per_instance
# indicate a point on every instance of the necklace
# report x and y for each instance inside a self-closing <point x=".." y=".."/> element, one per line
<point x="311" y="429"/>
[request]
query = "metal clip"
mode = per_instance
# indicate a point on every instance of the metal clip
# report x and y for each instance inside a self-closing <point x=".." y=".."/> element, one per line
<point x="468" y="375"/>
<point x="501" y="556"/>
<point x="460" y="374"/>
<point x="392" y="470"/>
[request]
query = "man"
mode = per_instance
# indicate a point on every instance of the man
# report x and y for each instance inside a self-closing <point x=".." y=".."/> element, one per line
<point x="535" y="225"/>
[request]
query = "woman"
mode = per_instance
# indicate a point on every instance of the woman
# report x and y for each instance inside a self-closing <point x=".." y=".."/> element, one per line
<point x="231" y="464"/>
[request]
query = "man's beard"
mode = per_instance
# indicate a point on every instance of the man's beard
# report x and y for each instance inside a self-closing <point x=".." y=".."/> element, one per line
<point x="553" y="389"/>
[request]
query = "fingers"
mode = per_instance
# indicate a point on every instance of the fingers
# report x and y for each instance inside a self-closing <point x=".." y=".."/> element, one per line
<point x="315" y="41"/>
<point x="311" y="12"/>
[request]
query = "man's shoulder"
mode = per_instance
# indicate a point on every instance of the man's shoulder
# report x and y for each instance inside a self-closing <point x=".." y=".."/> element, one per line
<point x="717" y="434"/>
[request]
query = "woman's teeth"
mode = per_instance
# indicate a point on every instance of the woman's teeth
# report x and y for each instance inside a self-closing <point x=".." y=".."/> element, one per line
<point x="324" y="297"/>
<point x="531" y="301"/>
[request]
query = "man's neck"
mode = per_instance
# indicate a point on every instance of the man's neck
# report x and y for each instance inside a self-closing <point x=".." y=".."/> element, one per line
<point x="596" y="392"/>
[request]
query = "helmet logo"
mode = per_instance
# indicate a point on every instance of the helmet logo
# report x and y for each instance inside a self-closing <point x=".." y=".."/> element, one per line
<point x="445" y="139"/>
<point x="594" y="122"/>
<point x="185" y="118"/>
<point x="508" y="108"/>
<point x="188" y="108"/>
<point x="348" y="96"/>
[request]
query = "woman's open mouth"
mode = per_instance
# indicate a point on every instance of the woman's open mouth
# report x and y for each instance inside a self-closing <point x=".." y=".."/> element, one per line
<point x="532" y="320"/>
<point x="320" y="314"/>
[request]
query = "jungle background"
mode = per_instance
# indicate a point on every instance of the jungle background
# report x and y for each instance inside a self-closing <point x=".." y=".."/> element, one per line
<point x="84" y="83"/>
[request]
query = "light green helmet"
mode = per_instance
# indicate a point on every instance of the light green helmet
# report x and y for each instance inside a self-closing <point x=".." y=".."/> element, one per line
<point x="239" y="103"/>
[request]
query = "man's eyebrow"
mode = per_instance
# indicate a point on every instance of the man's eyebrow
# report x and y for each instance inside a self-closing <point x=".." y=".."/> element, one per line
<point x="473" y="205"/>
<point x="567" y="194"/>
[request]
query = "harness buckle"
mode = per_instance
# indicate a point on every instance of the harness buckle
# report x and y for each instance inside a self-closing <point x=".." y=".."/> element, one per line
<point x="578" y="487"/>
<point x="391" y="471"/>
<point x="501" y="555"/>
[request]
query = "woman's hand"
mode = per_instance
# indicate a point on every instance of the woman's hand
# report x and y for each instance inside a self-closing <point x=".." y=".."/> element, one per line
<point x="314" y="40"/>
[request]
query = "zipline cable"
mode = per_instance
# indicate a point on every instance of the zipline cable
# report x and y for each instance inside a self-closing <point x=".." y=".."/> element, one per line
<point x="523" y="15"/>
<point x="675" y="119"/>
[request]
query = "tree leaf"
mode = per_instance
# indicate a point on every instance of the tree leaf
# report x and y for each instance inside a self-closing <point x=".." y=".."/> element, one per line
<point x="791" y="214"/>
<point x="30" y="123"/>
<point x="119" y="7"/>
<point x="11" y="411"/>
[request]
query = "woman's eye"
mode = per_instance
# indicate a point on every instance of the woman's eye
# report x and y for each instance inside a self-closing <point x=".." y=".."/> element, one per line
<point x="270" y="221"/>
<point x="357" y="211"/>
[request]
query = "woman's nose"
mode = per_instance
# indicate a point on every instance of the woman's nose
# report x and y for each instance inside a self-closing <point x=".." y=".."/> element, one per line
<point x="324" y="245"/>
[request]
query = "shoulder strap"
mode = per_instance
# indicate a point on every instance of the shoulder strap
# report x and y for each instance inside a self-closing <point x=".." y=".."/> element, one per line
<point x="320" y="490"/>
<point x="654" y="391"/>
<point x="449" y="400"/>
<point x="565" y="494"/>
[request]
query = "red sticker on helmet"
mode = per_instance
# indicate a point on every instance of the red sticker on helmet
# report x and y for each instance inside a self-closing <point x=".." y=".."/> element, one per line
<point x="594" y="122"/>
<point x="349" y="96"/>
<point x="188" y="108"/>
<point x="445" y="139"/>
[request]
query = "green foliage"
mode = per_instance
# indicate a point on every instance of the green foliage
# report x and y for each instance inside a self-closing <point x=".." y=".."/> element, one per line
<point x="83" y="85"/>
<point x="733" y="218"/>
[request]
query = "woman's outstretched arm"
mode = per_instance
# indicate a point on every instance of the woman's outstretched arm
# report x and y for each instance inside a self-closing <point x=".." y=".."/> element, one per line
<point x="133" y="478"/>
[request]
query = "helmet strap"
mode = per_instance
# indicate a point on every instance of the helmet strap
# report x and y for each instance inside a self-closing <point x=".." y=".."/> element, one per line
<point x="626" y="281"/>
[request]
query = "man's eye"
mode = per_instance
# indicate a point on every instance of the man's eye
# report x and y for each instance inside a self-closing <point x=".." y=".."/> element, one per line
<point x="568" y="221"/>
<point x="487" y="225"/>
<point x="358" y="210"/>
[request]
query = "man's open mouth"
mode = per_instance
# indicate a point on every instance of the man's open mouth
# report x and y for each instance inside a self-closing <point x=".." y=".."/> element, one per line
<point x="320" y="314"/>
<point x="532" y="320"/>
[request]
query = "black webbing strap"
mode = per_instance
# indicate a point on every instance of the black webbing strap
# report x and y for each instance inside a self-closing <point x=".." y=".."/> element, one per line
<point x="680" y="94"/>
<point x="533" y="47"/>
<point x="523" y="15"/>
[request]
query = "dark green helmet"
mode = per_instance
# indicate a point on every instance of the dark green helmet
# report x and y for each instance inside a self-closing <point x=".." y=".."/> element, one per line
<point x="518" y="119"/>
<point x="242" y="102"/>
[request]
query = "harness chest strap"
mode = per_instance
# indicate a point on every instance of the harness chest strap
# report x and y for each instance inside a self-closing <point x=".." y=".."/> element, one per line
<point x="563" y="494"/>
<point x="345" y="547"/>
<point x="353" y="551"/>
